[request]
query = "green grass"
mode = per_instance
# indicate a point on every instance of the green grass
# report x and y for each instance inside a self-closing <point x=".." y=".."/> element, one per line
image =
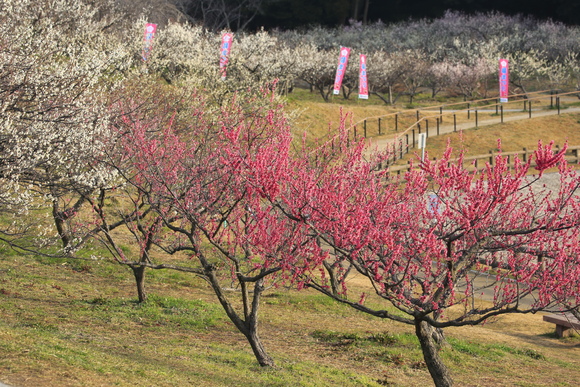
<point x="156" y="312"/>
<point x="493" y="351"/>
<point x="401" y="350"/>
<point x="58" y="319"/>
<point x="68" y="327"/>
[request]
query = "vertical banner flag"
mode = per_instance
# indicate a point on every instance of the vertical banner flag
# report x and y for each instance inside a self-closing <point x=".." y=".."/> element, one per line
<point x="504" y="78"/>
<point x="225" y="52"/>
<point x="341" y="69"/>
<point x="363" y="86"/>
<point x="150" y="29"/>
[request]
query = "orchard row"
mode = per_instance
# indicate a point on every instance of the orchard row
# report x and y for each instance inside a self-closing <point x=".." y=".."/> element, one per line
<point x="457" y="54"/>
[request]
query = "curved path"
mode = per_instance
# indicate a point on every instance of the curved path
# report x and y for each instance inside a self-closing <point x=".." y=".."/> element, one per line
<point x="380" y="142"/>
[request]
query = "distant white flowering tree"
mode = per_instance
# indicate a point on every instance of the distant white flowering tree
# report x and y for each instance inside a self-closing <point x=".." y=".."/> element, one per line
<point x="525" y="67"/>
<point x="319" y="71"/>
<point x="572" y="64"/>
<point x="462" y="79"/>
<point x="56" y="68"/>
<point x="384" y="71"/>
<point x="415" y="72"/>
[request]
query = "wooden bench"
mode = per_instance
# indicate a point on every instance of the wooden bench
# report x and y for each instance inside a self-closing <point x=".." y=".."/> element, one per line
<point x="564" y="322"/>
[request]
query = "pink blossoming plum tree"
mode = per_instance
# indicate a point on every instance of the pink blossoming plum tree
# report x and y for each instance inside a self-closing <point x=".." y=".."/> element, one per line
<point x="118" y="210"/>
<point x="425" y="241"/>
<point x="208" y="184"/>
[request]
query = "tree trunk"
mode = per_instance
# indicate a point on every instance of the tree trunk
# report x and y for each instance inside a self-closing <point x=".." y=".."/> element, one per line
<point x="387" y="100"/>
<point x="247" y="326"/>
<point x="383" y="98"/>
<point x="251" y="326"/>
<point x="355" y="10"/>
<point x="323" y="93"/>
<point x="437" y="369"/>
<point x="139" y="273"/>
<point x="335" y="277"/>
<point x="366" y="12"/>
<point x="346" y="91"/>
<point x="332" y="277"/>
<point x="259" y="352"/>
<point x="60" y="225"/>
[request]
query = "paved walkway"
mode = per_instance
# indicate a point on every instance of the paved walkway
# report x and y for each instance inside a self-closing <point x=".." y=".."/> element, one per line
<point x="381" y="142"/>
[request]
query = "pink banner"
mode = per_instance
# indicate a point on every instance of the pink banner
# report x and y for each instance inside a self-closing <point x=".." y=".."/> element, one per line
<point x="341" y="69"/>
<point x="363" y="86"/>
<point x="225" y="52"/>
<point x="150" y="29"/>
<point x="504" y="79"/>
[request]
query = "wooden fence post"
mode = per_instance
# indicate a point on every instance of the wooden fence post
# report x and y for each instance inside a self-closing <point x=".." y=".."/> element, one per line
<point x="400" y="148"/>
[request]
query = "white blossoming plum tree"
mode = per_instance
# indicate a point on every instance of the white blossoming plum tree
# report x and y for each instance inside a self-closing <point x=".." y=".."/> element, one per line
<point x="56" y="68"/>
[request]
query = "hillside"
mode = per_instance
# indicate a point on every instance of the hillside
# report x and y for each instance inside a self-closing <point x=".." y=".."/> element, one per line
<point x="71" y="323"/>
<point x="74" y="323"/>
<point x="317" y="118"/>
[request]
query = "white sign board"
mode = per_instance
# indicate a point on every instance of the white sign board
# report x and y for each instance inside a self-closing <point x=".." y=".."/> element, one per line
<point x="422" y="141"/>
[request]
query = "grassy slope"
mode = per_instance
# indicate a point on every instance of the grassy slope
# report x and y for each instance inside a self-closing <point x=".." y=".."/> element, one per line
<point x="71" y="324"/>
<point x="314" y="116"/>
<point x="514" y="136"/>
<point x="76" y="323"/>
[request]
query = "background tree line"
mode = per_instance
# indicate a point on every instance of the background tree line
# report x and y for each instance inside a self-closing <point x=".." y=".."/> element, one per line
<point x="290" y="14"/>
<point x="456" y="53"/>
<point x="253" y="15"/>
